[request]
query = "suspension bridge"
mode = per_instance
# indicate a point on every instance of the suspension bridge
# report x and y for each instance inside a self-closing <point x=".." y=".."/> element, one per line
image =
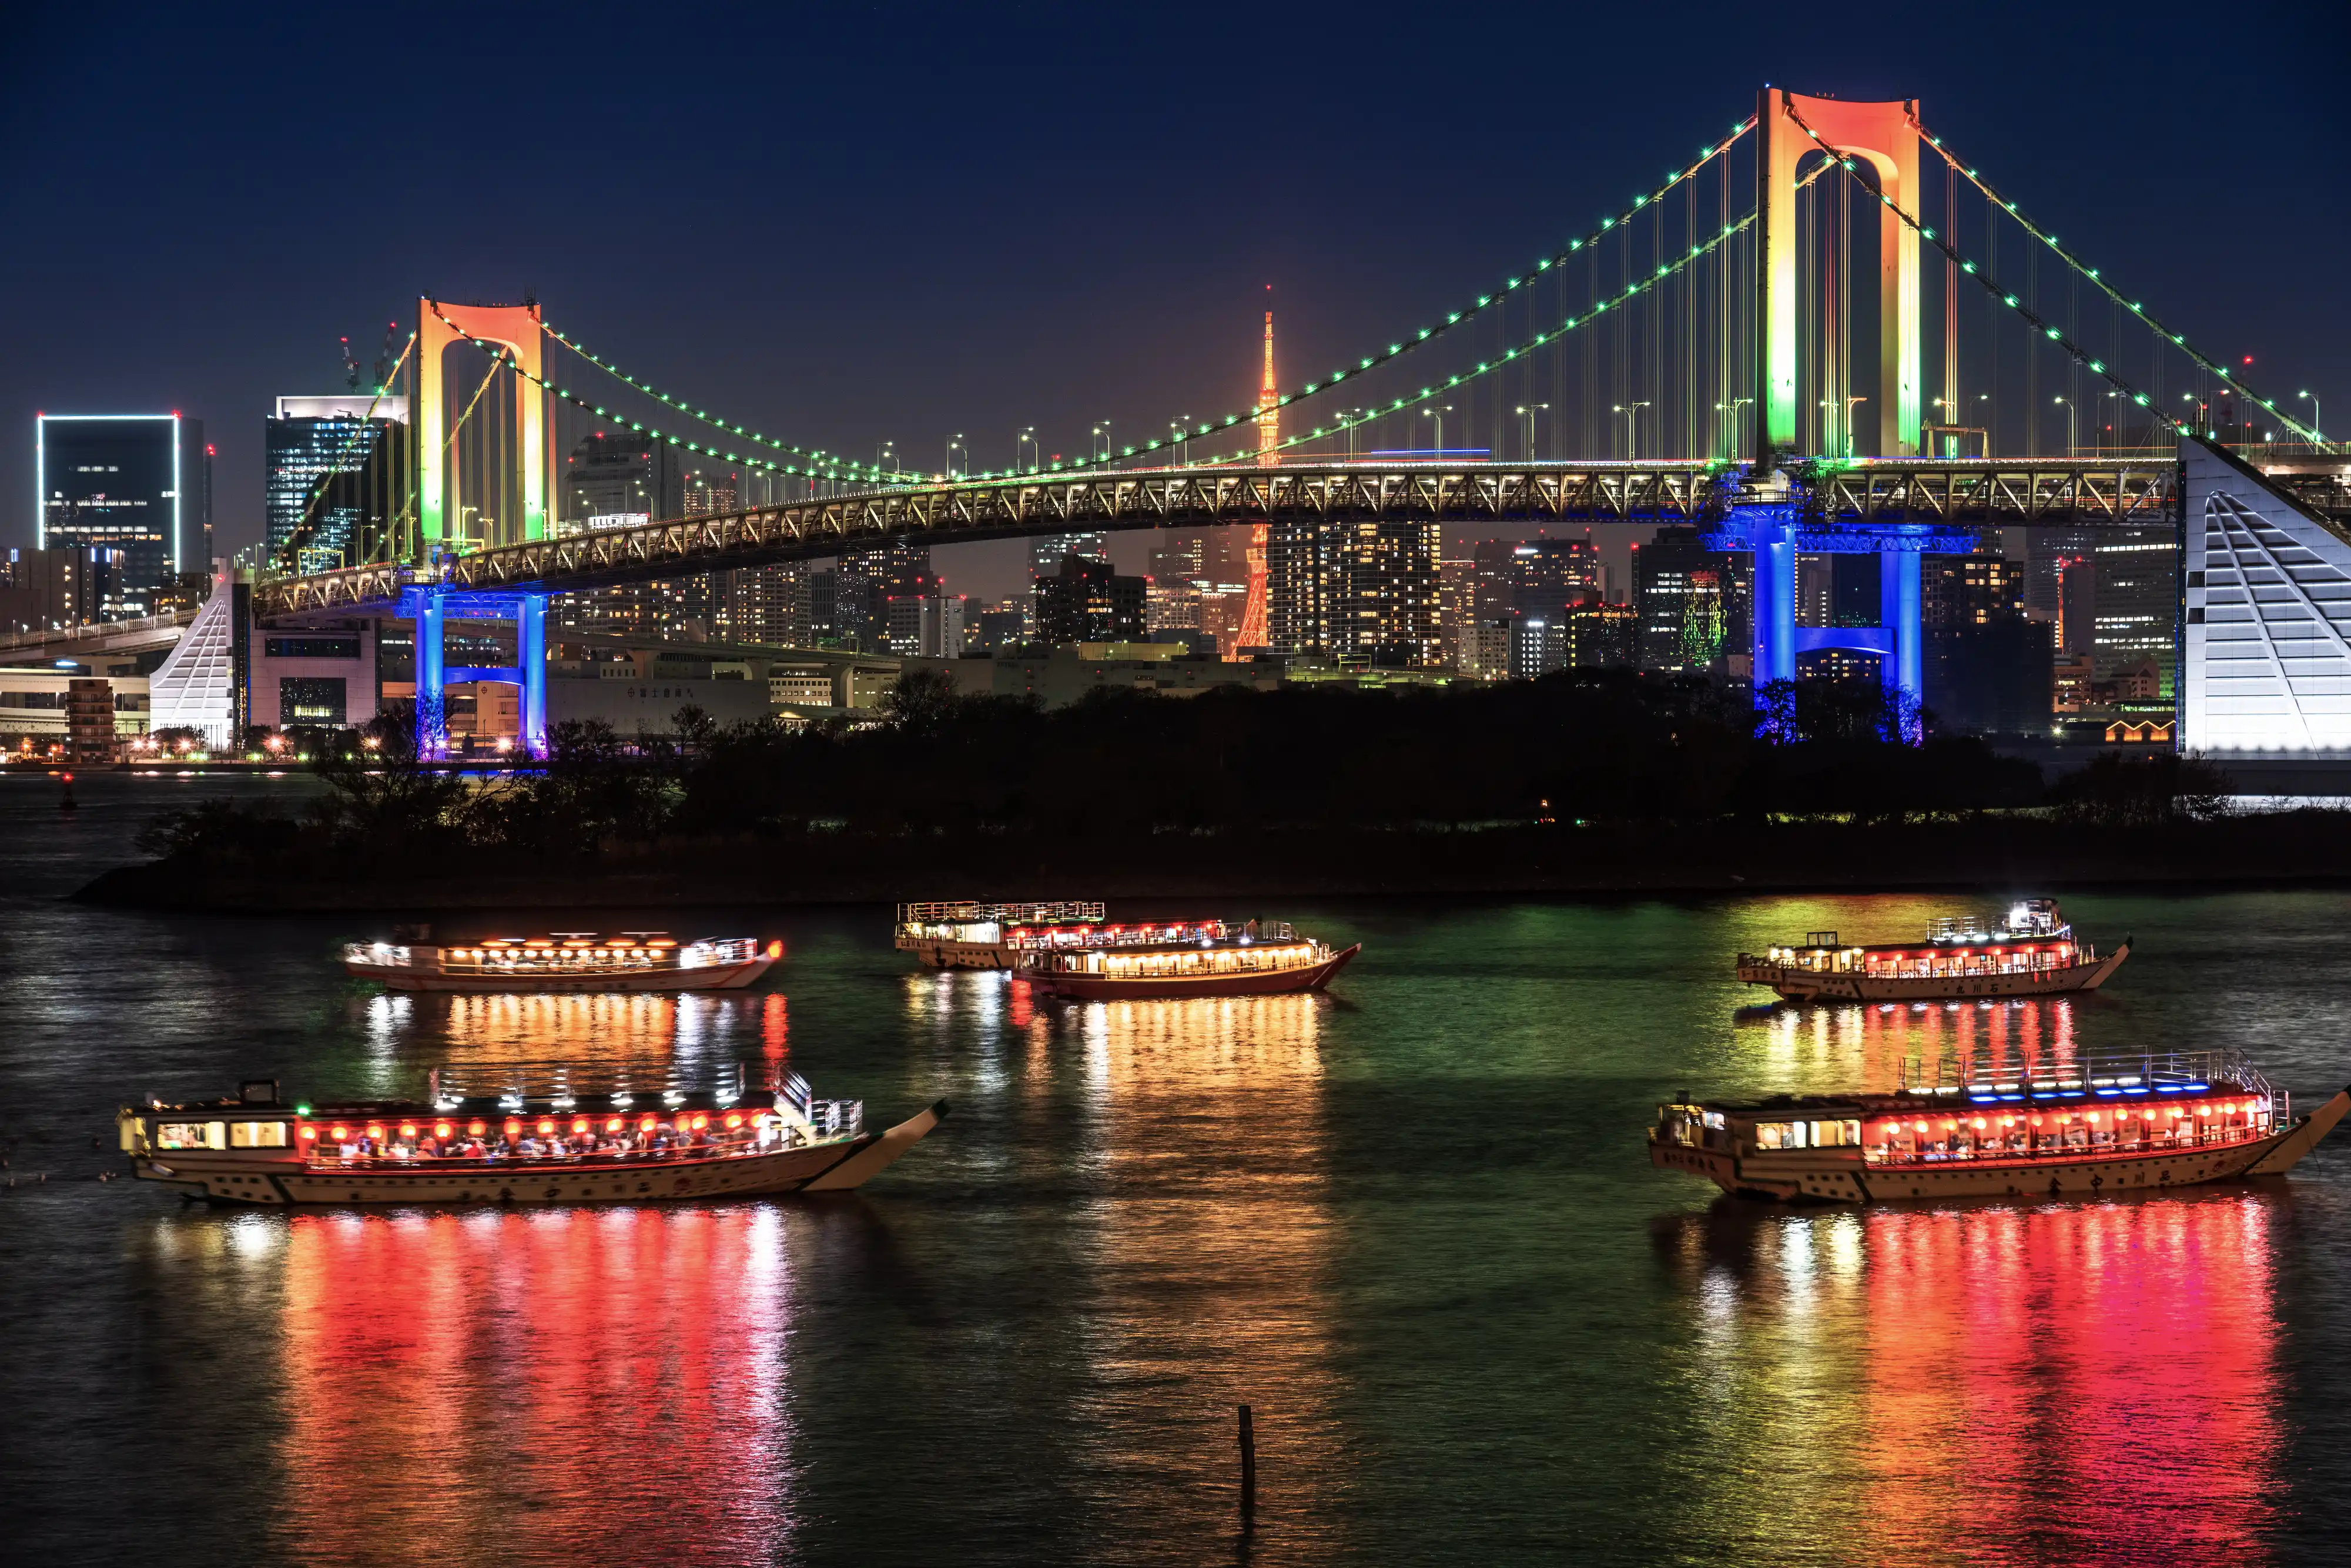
<point x="1737" y="322"/>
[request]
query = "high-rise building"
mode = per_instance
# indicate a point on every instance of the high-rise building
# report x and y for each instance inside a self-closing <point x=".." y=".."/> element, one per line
<point x="619" y="479"/>
<point x="1590" y="635"/>
<point x="708" y="492"/>
<point x="1088" y="601"/>
<point x="2137" y="605"/>
<point x="928" y="626"/>
<point x="1693" y="601"/>
<point x="1001" y="627"/>
<point x="769" y="605"/>
<point x="1045" y="552"/>
<point x="337" y="480"/>
<point x="1546" y="576"/>
<point x="1985" y="664"/>
<point x="1363" y="594"/>
<point x="130" y="483"/>
<point x="40" y="589"/>
<point x="867" y="578"/>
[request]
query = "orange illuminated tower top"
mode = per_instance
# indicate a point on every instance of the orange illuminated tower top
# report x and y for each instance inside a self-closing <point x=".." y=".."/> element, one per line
<point x="1269" y="412"/>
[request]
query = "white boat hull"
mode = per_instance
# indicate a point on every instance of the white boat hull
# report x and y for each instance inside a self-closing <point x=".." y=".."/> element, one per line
<point x="1826" y="1175"/>
<point x="430" y="977"/>
<point x="958" y="955"/>
<point x="238" y="1176"/>
<point x="1798" y="985"/>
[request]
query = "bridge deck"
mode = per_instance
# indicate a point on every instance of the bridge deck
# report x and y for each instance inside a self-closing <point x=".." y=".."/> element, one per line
<point x="1967" y="493"/>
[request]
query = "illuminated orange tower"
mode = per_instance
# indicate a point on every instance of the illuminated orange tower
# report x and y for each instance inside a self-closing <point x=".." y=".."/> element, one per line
<point x="1269" y="442"/>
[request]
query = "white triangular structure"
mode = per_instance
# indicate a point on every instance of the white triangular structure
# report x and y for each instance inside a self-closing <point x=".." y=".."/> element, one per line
<point x="195" y="686"/>
<point x="2268" y="621"/>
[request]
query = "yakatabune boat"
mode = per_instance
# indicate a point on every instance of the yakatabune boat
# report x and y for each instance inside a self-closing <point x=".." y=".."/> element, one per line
<point x="990" y="936"/>
<point x="2105" y="1125"/>
<point x="549" y="1141"/>
<point x="566" y="961"/>
<point x="2033" y="953"/>
<point x="1226" y="959"/>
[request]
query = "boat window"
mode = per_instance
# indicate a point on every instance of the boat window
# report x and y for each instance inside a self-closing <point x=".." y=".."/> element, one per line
<point x="191" y="1135"/>
<point x="256" y="1134"/>
<point x="1779" y="1134"/>
<point x="1835" y="1135"/>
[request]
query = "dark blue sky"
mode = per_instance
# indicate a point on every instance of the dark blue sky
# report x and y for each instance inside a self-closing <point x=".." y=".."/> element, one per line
<point x="856" y="221"/>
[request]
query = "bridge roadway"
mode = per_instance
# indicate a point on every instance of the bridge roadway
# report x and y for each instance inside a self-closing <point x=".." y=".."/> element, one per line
<point x="1965" y="493"/>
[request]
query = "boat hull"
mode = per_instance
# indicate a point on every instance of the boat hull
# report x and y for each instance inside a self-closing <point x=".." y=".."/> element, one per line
<point x="712" y="978"/>
<point x="959" y="955"/>
<point x="1822" y="1176"/>
<point x="1807" y="986"/>
<point x="232" y="1177"/>
<point x="1267" y="983"/>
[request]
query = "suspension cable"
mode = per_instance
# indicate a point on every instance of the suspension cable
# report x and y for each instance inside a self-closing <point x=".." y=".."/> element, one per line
<point x="814" y="454"/>
<point x="2176" y="339"/>
<point x="2053" y="334"/>
<point x="500" y="352"/>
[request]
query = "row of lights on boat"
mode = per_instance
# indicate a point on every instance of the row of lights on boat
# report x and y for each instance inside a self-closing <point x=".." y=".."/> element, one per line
<point x="734" y="1121"/>
<point x="2199" y="1110"/>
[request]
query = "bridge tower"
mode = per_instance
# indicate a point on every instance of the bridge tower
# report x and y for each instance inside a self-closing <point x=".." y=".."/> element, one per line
<point x="1772" y="522"/>
<point x="518" y="330"/>
<point x="1884" y="138"/>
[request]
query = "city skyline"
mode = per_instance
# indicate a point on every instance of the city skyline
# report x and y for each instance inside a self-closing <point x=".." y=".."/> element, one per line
<point x="918" y="351"/>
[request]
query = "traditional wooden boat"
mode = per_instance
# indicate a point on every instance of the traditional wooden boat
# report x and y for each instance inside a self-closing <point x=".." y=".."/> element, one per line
<point x="1257" y="958"/>
<point x="2106" y="1125"/>
<point x="566" y="961"/>
<point x="971" y="935"/>
<point x="555" y="1141"/>
<point x="2031" y="953"/>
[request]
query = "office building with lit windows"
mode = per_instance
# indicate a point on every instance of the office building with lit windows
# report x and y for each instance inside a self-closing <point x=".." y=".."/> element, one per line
<point x="338" y="475"/>
<point x="1362" y="594"/>
<point x="134" y="485"/>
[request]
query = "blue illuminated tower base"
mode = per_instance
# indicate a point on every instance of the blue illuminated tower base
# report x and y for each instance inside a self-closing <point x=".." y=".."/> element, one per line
<point x="431" y="609"/>
<point x="1777" y="532"/>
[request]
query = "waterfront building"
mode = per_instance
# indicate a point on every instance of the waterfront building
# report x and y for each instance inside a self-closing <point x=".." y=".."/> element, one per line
<point x="1088" y="601"/>
<point x="133" y="483"/>
<point x="63" y="587"/>
<point x="337" y="475"/>
<point x="1000" y="627"/>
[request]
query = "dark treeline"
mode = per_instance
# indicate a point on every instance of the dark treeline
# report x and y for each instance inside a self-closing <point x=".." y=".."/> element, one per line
<point x="1594" y="749"/>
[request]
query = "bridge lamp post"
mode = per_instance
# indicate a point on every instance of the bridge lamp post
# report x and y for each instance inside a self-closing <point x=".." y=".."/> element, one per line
<point x="884" y="456"/>
<point x="2073" y="424"/>
<point x="954" y="444"/>
<point x="2318" y="420"/>
<point x="1438" y="414"/>
<point x="1027" y="433"/>
<point x="1631" y="411"/>
<point x="1526" y="411"/>
<point x="1848" y="421"/>
<point x="1738" y="421"/>
<point x="1102" y="433"/>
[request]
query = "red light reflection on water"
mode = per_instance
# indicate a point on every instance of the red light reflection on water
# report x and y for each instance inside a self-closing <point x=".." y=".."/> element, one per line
<point x="536" y="1386"/>
<point x="2071" y="1382"/>
<point x="1876" y="1039"/>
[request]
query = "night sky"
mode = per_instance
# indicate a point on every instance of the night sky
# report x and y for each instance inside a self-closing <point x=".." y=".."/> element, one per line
<point x="845" y="223"/>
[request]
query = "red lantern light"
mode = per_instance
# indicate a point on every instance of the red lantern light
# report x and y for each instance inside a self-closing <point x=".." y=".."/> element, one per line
<point x="513" y="1128"/>
<point x="408" y="1129"/>
<point x="342" y="1134"/>
<point x="612" y="1125"/>
<point x="700" y="1122"/>
<point x="305" y="1131"/>
<point x="545" y="1126"/>
<point x="579" y="1124"/>
<point x="475" y="1129"/>
<point x="646" y="1125"/>
<point x="375" y="1131"/>
<point x="442" y="1129"/>
<point x="733" y="1119"/>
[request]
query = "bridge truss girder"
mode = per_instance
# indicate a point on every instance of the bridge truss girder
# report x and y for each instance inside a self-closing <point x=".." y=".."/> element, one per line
<point x="1977" y="493"/>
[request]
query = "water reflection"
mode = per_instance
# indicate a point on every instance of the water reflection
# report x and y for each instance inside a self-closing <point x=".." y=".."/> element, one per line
<point x="1868" y="1043"/>
<point x="1993" y="1384"/>
<point x="542" y="1384"/>
<point x="695" y="1033"/>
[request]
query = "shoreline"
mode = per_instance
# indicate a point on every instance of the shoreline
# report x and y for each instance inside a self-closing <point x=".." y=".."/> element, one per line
<point x="2286" y="849"/>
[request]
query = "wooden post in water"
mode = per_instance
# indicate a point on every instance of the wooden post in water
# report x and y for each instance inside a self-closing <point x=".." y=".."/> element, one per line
<point x="1248" y="1472"/>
